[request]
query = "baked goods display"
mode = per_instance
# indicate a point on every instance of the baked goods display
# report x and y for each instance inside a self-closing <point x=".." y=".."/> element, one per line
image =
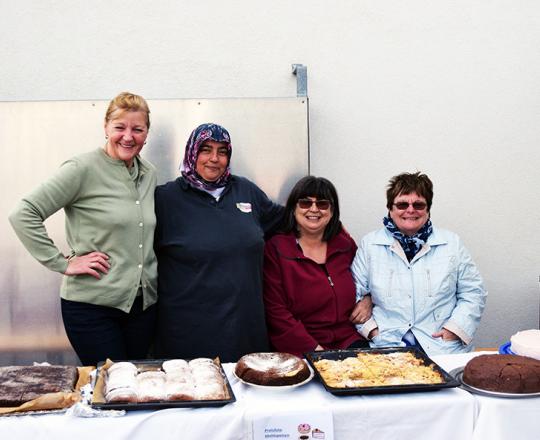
<point x="20" y="384"/>
<point x="371" y="369"/>
<point x="504" y="373"/>
<point x="272" y="369"/>
<point x="173" y="380"/>
<point x="526" y="343"/>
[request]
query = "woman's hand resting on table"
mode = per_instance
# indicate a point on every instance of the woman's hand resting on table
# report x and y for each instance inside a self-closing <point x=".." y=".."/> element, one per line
<point x="89" y="264"/>
<point x="446" y="335"/>
<point x="362" y="311"/>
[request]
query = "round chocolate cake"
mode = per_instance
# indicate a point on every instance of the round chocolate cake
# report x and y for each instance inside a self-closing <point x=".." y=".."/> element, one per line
<point x="272" y="369"/>
<point x="504" y="373"/>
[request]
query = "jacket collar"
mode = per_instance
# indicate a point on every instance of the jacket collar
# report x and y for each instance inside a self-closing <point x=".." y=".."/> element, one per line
<point x="287" y="245"/>
<point x="385" y="238"/>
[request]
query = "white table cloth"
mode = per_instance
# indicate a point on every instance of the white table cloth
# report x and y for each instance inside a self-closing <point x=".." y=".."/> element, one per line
<point x="447" y="414"/>
<point x="499" y="418"/>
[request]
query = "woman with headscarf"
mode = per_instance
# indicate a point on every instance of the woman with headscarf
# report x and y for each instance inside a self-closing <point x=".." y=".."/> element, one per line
<point x="209" y="243"/>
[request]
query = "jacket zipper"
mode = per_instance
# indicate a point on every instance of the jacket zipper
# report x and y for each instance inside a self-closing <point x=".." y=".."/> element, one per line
<point x="328" y="277"/>
<point x="330" y="280"/>
<point x="332" y="286"/>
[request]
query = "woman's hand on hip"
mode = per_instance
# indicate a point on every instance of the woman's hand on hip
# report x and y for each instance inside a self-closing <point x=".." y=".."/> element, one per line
<point x="362" y="311"/>
<point x="90" y="264"/>
<point x="446" y="335"/>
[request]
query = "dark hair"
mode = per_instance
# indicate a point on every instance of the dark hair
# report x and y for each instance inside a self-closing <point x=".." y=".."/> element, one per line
<point x="407" y="183"/>
<point x="311" y="186"/>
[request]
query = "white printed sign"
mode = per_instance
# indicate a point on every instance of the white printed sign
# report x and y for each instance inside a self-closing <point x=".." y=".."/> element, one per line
<point x="294" y="425"/>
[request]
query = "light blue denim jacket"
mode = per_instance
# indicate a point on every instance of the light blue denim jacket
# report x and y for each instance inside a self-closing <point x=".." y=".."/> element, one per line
<point x="440" y="287"/>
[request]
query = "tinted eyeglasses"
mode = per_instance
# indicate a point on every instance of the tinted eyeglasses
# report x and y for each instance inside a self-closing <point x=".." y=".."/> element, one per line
<point x="418" y="206"/>
<point x="320" y="204"/>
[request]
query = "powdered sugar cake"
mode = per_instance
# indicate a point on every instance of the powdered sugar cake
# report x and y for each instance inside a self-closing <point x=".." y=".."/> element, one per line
<point x="272" y="369"/>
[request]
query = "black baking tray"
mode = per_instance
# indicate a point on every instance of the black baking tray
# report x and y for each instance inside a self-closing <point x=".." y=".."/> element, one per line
<point x="154" y="363"/>
<point x="312" y="357"/>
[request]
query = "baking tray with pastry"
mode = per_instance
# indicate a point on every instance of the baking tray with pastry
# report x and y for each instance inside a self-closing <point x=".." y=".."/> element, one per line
<point x="378" y="371"/>
<point x="157" y="384"/>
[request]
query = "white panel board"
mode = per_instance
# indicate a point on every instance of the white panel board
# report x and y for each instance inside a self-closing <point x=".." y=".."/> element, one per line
<point x="270" y="147"/>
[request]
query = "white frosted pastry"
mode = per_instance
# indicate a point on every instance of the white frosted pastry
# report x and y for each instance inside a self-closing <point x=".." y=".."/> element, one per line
<point x="151" y="386"/>
<point x="174" y="365"/>
<point x="122" y="395"/>
<point x="121" y="376"/>
<point x="200" y="361"/>
<point x="210" y="391"/>
<point x="127" y="366"/>
<point x="177" y="390"/>
<point x="526" y="343"/>
<point x="183" y="376"/>
<point x="201" y="375"/>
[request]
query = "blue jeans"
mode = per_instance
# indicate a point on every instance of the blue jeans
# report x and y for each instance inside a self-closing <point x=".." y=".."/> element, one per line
<point x="99" y="332"/>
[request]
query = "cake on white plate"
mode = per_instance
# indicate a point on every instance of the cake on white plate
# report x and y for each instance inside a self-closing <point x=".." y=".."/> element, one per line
<point x="526" y="343"/>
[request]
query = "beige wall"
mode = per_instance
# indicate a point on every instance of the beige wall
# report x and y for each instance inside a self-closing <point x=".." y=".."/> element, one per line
<point x="447" y="87"/>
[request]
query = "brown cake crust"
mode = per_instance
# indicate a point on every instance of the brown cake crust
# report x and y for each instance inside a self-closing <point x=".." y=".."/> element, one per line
<point x="22" y="384"/>
<point x="504" y="373"/>
<point x="272" y="369"/>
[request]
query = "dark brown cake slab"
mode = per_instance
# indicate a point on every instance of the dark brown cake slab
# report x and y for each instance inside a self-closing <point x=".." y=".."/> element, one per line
<point x="22" y="384"/>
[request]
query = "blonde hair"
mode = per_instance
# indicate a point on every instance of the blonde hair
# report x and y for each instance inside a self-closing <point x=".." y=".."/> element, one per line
<point x="128" y="102"/>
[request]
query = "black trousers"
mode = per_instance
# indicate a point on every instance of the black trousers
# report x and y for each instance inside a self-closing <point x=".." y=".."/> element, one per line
<point x="98" y="332"/>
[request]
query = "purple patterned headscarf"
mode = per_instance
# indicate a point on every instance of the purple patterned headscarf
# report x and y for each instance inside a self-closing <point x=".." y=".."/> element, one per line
<point x="203" y="133"/>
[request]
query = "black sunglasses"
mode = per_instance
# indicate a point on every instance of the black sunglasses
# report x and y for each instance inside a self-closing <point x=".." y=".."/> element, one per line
<point x="418" y="206"/>
<point x="320" y="204"/>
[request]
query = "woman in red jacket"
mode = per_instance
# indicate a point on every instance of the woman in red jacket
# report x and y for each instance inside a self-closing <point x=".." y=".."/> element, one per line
<point x="309" y="292"/>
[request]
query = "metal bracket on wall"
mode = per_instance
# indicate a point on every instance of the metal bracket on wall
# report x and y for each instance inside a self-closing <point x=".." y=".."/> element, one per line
<point x="301" y="79"/>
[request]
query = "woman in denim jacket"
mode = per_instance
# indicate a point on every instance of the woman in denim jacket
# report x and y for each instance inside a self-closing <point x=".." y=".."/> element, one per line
<point x="425" y="287"/>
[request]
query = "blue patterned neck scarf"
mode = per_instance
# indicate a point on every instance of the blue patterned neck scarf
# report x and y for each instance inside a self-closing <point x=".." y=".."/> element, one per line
<point x="188" y="167"/>
<point x="411" y="245"/>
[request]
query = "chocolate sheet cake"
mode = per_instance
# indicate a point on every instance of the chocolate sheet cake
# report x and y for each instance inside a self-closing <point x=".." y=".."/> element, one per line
<point x="22" y="384"/>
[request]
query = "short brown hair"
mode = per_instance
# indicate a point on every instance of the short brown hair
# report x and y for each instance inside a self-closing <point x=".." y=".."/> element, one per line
<point x="128" y="102"/>
<point x="407" y="183"/>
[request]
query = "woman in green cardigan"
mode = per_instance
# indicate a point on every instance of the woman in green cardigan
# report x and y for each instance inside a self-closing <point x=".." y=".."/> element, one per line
<point x="109" y="287"/>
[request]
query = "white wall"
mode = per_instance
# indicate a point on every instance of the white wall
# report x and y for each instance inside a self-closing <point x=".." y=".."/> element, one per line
<point x="451" y="88"/>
